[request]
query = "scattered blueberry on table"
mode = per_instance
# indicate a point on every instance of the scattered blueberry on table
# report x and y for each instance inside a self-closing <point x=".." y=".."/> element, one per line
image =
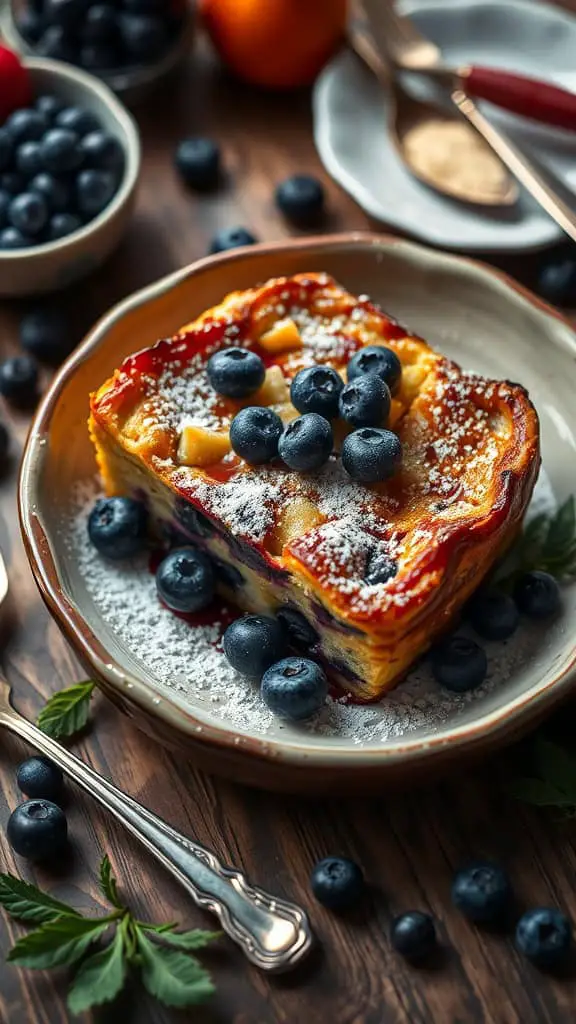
<point x="185" y="580"/>
<point x="231" y="238"/>
<point x="235" y="372"/>
<point x="197" y="161"/>
<point x="338" y="883"/>
<point x="19" y="380"/>
<point x="537" y="595"/>
<point x="294" y="688"/>
<point x="317" y="389"/>
<point x="45" y="335"/>
<point x="40" y="778"/>
<point x="557" y="279"/>
<point x="255" y="433"/>
<point x="459" y="664"/>
<point x="544" y="936"/>
<point x="301" y="199"/>
<point x="371" y="454"/>
<point x="482" y="892"/>
<point x="253" y="643"/>
<point x="117" y="527"/>
<point x="306" y="442"/>
<point x="413" y="935"/>
<point x="38" y="830"/>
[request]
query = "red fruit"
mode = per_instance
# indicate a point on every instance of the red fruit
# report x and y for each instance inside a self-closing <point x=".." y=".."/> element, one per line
<point x="15" y="85"/>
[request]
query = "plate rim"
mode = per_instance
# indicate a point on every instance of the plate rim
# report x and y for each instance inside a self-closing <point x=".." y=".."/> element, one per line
<point x="222" y="737"/>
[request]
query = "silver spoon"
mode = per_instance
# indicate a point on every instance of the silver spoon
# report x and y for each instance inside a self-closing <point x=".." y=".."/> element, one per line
<point x="273" y="933"/>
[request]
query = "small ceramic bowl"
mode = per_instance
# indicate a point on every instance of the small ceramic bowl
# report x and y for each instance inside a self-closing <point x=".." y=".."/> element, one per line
<point x="472" y="313"/>
<point x="132" y="84"/>
<point x="54" y="265"/>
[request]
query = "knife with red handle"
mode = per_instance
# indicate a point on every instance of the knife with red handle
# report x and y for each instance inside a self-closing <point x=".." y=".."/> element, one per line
<point x="521" y="95"/>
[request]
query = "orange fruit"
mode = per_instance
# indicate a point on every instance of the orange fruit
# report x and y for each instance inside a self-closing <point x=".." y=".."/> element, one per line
<point x="280" y="44"/>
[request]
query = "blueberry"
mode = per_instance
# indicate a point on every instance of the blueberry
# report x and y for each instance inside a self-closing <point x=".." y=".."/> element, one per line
<point x="30" y="26"/>
<point x="337" y="883"/>
<point x="413" y="935"/>
<point x="253" y="643"/>
<point x="235" y="372"/>
<point x="67" y="13"/>
<point x="297" y="628"/>
<point x="544" y="936"/>
<point x="306" y="443"/>
<point x="482" y="892"/>
<point x="98" y="56"/>
<point x="197" y="161"/>
<point x="4" y="445"/>
<point x="317" y="389"/>
<point x="60" y="150"/>
<point x="301" y="199"/>
<point x="294" y="688"/>
<point x="57" y="44"/>
<point x="228" y="575"/>
<point x="40" y="778"/>
<point x="103" y="151"/>
<point x="459" y="664"/>
<point x="380" y="569"/>
<point x="49" y="105"/>
<point x="144" y="37"/>
<point x="26" y="125"/>
<point x="185" y="580"/>
<point x="5" y="200"/>
<point x="371" y="454"/>
<point x="63" y="224"/>
<point x="100" y="24"/>
<point x="29" y="159"/>
<point x="78" y="120"/>
<point x="12" y="182"/>
<point x="117" y="527"/>
<point x="11" y="238"/>
<point x="379" y="360"/>
<point x="493" y="614"/>
<point x="28" y="213"/>
<point x="255" y="433"/>
<point x="537" y="595"/>
<point x="19" y="380"/>
<point x="94" y="190"/>
<point x="365" y="402"/>
<point x="55" y="192"/>
<point x="191" y="519"/>
<point x="231" y="238"/>
<point x="6" y="149"/>
<point x="37" y="830"/>
<point x="557" y="281"/>
<point x="44" y="334"/>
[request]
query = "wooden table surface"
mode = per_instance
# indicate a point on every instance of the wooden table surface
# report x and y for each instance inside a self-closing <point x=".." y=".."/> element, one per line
<point x="408" y="846"/>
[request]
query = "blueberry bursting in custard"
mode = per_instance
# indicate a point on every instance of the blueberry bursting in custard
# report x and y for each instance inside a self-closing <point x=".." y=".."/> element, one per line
<point x="342" y="477"/>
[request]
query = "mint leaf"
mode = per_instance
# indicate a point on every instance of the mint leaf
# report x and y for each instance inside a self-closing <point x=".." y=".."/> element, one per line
<point x="538" y="792"/>
<point x="108" y="883"/>
<point x="100" y="978"/>
<point x="27" y="903"/>
<point x="195" y="939"/>
<point x="172" y="977"/>
<point x="60" y="942"/>
<point x="66" y="713"/>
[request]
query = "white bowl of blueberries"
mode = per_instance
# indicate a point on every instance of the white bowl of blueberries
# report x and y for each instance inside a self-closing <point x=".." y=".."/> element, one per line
<point x="69" y="165"/>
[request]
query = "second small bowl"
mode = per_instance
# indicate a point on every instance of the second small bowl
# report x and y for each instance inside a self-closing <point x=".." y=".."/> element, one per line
<point x="54" y="265"/>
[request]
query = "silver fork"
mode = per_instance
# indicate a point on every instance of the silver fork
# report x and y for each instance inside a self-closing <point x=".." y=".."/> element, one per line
<point x="273" y="933"/>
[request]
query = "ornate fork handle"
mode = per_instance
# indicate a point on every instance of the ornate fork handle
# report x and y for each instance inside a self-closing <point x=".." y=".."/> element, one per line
<point x="273" y="933"/>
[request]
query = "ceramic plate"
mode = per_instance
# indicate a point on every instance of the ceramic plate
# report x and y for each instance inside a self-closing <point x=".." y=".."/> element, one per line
<point x="351" y="137"/>
<point x="470" y="312"/>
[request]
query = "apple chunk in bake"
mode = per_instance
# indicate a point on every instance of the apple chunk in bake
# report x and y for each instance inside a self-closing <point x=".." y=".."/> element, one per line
<point x="365" y="575"/>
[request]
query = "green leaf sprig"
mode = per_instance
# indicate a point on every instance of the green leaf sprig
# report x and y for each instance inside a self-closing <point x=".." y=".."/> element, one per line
<point x="553" y="782"/>
<point x="66" y="712"/>
<point x="547" y="543"/>
<point x="159" y="953"/>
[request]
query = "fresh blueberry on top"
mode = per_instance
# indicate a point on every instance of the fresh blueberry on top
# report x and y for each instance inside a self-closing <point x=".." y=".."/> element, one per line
<point x="117" y="527"/>
<point x="301" y="199"/>
<point x="482" y="892"/>
<point x="537" y="595"/>
<point x="235" y="372"/>
<point x="371" y="454"/>
<point x="102" y="150"/>
<point x="197" y="161"/>
<point x="26" y="125"/>
<point x="379" y="360"/>
<point x="493" y="614"/>
<point x="49" y="105"/>
<point x="252" y="643"/>
<point x="306" y="443"/>
<point x="413" y="935"/>
<point x="60" y="150"/>
<point x="255" y="433"/>
<point x="544" y="936"/>
<point x="37" y="830"/>
<point x="317" y="389"/>
<point x="94" y="190"/>
<point x="231" y="238"/>
<point x="12" y="238"/>
<point x="62" y="224"/>
<point x="28" y="213"/>
<point x="45" y="334"/>
<point x="55" y="192"/>
<point x="29" y="159"/>
<point x="19" y="380"/>
<point x="365" y="402"/>
<point x="185" y="580"/>
<point x="380" y="569"/>
<point x="557" y="281"/>
<point x="6" y="149"/>
<point x="294" y="688"/>
<point x="297" y="628"/>
<point x="77" y="120"/>
<point x="337" y="883"/>
<point x="40" y="778"/>
<point x="459" y="664"/>
<point x="143" y="36"/>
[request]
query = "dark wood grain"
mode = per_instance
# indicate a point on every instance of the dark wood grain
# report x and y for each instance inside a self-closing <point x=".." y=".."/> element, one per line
<point x="408" y="846"/>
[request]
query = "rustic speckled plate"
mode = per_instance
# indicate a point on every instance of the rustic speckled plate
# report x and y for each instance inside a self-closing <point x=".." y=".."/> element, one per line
<point x="471" y="312"/>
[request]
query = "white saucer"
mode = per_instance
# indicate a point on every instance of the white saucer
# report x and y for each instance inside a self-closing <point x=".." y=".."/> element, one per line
<point x="351" y="137"/>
